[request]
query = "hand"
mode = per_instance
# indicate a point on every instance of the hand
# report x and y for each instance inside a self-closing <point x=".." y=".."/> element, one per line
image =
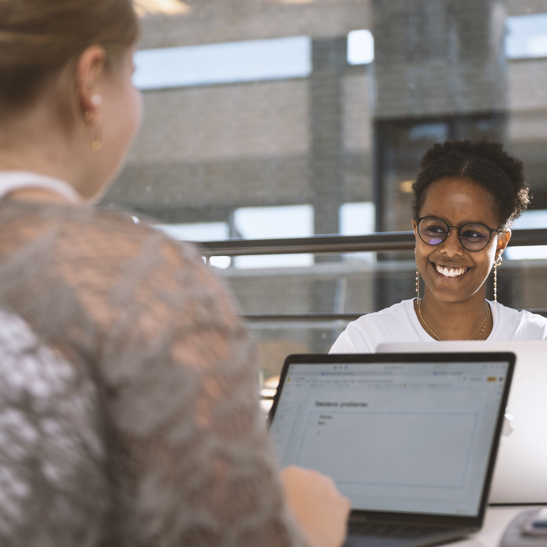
<point x="320" y="510"/>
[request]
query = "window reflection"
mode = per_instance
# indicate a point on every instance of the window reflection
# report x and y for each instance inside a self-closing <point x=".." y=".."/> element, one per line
<point x="263" y="109"/>
<point x="526" y="36"/>
<point x="360" y="47"/>
<point x="274" y="223"/>
<point x="249" y="61"/>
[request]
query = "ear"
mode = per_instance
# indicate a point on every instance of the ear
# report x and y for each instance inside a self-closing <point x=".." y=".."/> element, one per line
<point x="503" y="240"/>
<point x="415" y="227"/>
<point x="89" y="72"/>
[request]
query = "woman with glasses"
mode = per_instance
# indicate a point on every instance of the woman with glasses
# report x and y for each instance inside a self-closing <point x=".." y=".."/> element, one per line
<point x="466" y="197"/>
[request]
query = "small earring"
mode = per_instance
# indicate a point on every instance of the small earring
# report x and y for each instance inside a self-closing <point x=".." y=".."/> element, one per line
<point x="96" y="100"/>
<point x="417" y="285"/>
<point x="96" y="142"/>
<point x="497" y="263"/>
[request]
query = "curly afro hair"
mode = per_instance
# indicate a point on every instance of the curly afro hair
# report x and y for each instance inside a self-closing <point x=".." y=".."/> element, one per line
<point x="484" y="162"/>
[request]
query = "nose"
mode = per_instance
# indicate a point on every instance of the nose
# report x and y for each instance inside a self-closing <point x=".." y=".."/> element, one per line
<point x="452" y="245"/>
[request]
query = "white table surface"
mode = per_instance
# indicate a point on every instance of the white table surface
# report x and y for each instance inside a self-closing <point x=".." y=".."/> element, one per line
<point x="496" y="521"/>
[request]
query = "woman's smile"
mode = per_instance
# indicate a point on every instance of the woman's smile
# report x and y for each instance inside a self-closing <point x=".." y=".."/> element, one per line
<point x="451" y="272"/>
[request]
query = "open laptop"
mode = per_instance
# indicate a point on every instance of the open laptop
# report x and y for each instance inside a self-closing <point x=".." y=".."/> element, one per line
<point x="410" y="439"/>
<point x="520" y="475"/>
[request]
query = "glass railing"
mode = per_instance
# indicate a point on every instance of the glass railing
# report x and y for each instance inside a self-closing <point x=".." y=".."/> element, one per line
<point x="292" y="308"/>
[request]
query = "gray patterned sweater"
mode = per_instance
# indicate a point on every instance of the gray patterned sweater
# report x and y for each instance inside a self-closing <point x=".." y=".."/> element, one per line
<point x="129" y="413"/>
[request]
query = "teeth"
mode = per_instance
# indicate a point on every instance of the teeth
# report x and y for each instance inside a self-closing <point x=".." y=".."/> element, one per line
<point x="450" y="272"/>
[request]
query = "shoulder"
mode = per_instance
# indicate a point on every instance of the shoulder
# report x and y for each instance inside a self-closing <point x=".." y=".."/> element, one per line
<point x="103" y="267"/>
<point x="395" y="312"/>
<point x="168" y="273"/>
<point x="520" y="324"/>
<point x="137" y="254"/>
<point x="388" y="325"/>
<point x="113" y="238"/>
<point x="97" y="230"/>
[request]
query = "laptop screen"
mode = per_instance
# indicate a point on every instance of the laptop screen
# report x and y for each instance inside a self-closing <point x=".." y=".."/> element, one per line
<point x="401" y="437"/>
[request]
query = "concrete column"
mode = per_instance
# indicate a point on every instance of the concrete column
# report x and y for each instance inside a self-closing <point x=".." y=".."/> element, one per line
<point x="325" y="88"/>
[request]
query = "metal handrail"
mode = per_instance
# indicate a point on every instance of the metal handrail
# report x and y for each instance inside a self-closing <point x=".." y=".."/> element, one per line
<point x="300" y="316"/>
<point x="378" y="242"/>
<point x="303" y="317"/>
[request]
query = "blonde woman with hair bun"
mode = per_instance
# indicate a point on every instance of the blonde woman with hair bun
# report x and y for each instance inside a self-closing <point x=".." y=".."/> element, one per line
<point x="128" y="405"/>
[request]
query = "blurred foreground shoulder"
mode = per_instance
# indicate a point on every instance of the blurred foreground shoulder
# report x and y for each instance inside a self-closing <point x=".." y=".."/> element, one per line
<point x="52" y="448"/>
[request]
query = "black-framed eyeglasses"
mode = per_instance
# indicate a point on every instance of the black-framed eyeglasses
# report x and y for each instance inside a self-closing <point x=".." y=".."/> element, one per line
<point x="473" y="237"/>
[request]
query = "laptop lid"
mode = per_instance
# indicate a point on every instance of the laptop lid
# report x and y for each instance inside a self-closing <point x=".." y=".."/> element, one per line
<point x="520" y="475"/>
<point x="408" y="437"/>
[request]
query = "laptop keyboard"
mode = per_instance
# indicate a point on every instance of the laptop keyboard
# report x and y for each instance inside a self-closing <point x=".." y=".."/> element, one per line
<point x="391" y="530"/>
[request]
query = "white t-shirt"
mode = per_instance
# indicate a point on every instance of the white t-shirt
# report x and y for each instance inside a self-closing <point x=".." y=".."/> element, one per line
<point x="399" y="323"/>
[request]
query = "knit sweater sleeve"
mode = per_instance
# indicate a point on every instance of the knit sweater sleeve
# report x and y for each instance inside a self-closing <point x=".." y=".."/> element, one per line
<point x="53" y="485"/>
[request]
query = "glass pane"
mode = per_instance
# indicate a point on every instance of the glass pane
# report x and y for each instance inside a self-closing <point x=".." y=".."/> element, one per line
<point x="322" y="103"/>
<point x="294" y="118"/>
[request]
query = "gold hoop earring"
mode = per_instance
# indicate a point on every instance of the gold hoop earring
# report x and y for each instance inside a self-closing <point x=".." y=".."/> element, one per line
<point x="497" y="263"/>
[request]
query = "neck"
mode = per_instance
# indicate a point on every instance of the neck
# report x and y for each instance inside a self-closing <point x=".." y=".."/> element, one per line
<point x="455" y="320"/>
<point x="48" y="160"/>
<point x="36" y="140"/>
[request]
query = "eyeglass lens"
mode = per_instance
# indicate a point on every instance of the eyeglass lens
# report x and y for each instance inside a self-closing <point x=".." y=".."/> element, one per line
<point x="473" y="237"/>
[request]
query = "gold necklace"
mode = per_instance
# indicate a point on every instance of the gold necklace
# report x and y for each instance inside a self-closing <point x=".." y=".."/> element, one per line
<point x="481" y="327"/>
